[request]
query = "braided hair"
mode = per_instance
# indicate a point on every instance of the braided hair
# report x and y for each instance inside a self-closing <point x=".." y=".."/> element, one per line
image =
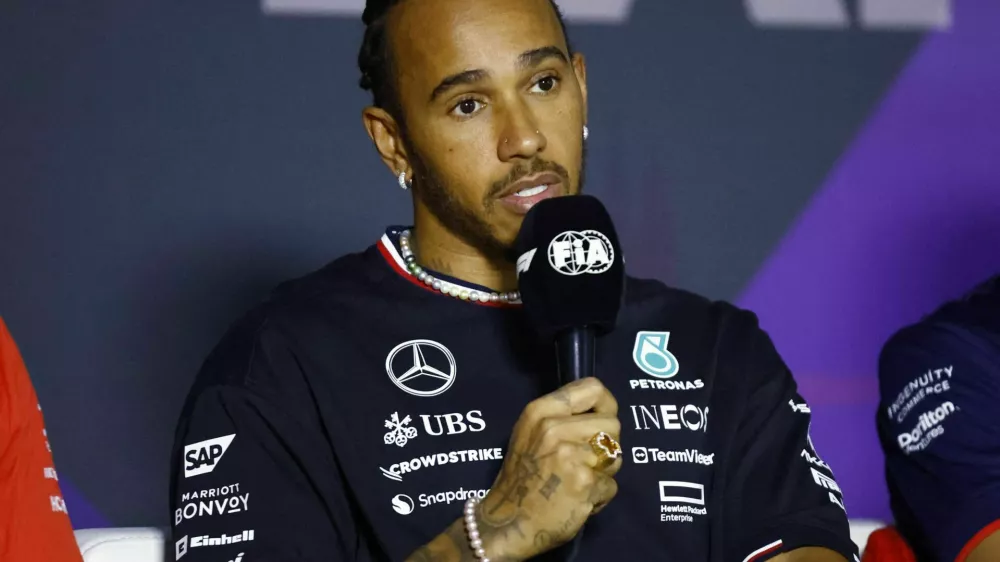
<point x="374" y="59"/>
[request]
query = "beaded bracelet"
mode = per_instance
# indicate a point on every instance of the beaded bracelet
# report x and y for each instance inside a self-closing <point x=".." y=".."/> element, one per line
<point x="472" y="529"/>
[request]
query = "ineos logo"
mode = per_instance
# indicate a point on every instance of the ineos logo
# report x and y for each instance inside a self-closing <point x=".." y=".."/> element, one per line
<point x="670" y="417"/>
<point x="575" y="253"/>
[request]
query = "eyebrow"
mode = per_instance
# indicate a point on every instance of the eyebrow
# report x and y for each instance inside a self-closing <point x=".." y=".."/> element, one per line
<point x="526" y="60"/>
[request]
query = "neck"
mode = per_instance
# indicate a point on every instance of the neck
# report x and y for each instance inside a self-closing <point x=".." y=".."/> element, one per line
<point x="438" y="249"/>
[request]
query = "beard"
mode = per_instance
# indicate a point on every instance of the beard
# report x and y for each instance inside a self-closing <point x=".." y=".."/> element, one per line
<point x="463" y="221"/>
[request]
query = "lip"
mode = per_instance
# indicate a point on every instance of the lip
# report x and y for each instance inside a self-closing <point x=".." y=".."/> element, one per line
<point x="521" y="205"/>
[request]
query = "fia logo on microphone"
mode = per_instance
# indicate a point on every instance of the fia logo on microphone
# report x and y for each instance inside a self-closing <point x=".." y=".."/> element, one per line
<point x="575" y="253"/>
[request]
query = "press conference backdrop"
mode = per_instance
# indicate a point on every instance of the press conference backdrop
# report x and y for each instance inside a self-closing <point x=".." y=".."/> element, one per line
<point x="829" y="164"/>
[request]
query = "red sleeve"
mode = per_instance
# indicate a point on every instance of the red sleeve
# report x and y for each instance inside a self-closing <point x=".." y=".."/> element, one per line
<point x="34" y="524"/>
<point x="886" y="545"/>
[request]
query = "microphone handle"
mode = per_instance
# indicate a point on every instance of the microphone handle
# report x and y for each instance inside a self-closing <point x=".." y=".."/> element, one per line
<point x="574" y="361"/>
<point x="575" y="354"/>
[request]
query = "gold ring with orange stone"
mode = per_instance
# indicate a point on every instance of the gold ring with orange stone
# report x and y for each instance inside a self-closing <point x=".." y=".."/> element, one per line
<point x="607" y="449"/>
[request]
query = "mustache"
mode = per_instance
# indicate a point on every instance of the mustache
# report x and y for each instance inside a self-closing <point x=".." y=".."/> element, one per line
<point x="537" y="166"/>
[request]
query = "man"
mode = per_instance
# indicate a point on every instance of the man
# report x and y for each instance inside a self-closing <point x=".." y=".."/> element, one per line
<point x="34" y="524"/>
<point x="939" y="426"/>
<point x="395" y="405"/>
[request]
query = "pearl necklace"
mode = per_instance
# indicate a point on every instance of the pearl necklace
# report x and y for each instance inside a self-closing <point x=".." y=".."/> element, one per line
<point x="450" y="289"/>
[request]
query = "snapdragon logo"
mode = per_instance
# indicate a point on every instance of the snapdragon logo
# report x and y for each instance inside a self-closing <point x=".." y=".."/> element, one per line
<point x="404" y="505"/>
<point x="927" y="429"/>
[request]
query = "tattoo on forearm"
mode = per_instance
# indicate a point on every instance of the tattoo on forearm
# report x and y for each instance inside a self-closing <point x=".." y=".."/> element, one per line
<point x="550" y="486"/>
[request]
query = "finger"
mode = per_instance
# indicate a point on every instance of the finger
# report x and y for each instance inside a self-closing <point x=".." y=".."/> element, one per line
<point x="581" y="427"/>
<point x="604" y="490"/>
<point x="584" y="454"/>
<point x="577" y="397"/>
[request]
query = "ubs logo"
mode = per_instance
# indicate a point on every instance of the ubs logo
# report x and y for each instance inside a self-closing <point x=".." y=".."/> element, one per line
<point x="421" y="367"/>
<point x="453" y="424"/>
<point x="438" y="424"/>
<point x="575" y="253"/>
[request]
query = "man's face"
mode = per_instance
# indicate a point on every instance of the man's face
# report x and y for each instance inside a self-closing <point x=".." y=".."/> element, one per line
<point x="494" y="109"/>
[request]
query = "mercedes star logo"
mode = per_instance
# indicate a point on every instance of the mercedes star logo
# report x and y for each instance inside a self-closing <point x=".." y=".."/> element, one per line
<point x="411" y="366"/>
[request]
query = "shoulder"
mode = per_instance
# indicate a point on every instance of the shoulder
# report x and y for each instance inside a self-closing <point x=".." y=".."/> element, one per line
<point x="269" y="333"/>
<point x="718" y="317"/>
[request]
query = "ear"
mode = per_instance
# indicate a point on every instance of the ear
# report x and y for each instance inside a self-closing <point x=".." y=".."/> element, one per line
<point x="386" y="133"/>
<point x="580" y="69"/>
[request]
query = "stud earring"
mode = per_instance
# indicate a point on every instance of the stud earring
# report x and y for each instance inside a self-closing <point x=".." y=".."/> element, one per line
<point x="402" y="181"/>
<point x="586" y="132"/>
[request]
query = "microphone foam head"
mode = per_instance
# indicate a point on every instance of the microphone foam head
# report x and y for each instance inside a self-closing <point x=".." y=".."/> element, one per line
<point x="571" y="271"/>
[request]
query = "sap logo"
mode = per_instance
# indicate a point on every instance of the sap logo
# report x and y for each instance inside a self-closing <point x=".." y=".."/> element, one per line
<point x="454" y="424"/>
<point x="577" y="11"/>
<point x="575" y="253"/>
<point x="202" y="457"/>
<point x="402" y="504"/>
<point x="900" y="15"/>
<point x="670" y="417"/>
<point x="524" y="262"/>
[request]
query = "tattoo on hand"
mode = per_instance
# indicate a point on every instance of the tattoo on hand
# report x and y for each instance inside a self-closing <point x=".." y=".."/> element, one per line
<point x="550" y="486"/>
<point x="563" y="397"/>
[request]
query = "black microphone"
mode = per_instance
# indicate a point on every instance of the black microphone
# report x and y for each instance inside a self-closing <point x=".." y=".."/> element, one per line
<point x="571" y="275"/>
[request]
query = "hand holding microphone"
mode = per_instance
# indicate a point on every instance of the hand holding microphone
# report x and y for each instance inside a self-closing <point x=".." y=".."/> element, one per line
<point x="554" y="477"/>
<point x="564" y="450"/>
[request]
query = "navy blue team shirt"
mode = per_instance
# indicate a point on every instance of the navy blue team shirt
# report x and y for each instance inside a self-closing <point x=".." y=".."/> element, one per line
<point x="349" y="417"/>
<point x="939" y="425"/>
